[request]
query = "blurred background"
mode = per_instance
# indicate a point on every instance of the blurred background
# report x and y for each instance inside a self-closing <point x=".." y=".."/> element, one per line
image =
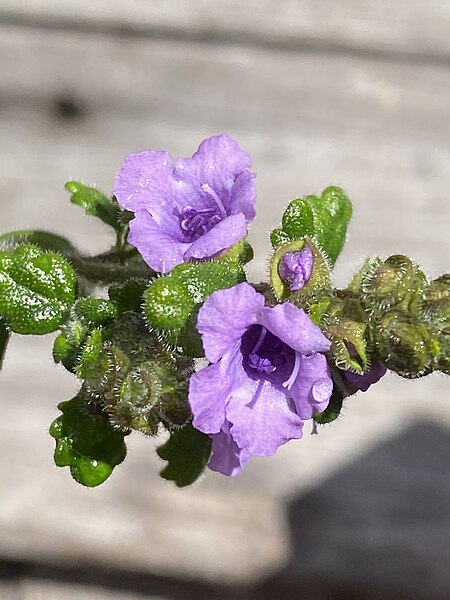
<point x="319" y="92"/>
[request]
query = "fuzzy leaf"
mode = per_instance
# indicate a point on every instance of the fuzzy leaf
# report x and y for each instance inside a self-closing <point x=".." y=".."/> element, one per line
<point x="36" y="289"/>
<point x="45" y="240"/>
<point x="95" y="203"/>
<point x="323" y="220"/>
<point x="187" y="452"/>
<point x="86" y="442"/>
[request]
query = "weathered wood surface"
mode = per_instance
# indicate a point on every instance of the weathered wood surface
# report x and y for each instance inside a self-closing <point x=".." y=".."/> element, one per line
<point x="378" y="128"/>
<point x="415" y="28"/>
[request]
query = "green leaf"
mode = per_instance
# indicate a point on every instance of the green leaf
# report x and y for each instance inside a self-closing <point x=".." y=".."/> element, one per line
<point x="187" y="452"/>
<point x="95" y="203"/>
<point x="4" y="337"/>
<point x="323" y="220"/>
<point x="36" y="289"/>
<point x="45" y="240"/>
<point x="86" y="442"/>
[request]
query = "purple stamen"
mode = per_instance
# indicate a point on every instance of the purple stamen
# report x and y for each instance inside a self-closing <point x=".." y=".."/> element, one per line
<point x="295" y="268"/>
<point x="260" y="364"/>
<point x="196" y="223"/>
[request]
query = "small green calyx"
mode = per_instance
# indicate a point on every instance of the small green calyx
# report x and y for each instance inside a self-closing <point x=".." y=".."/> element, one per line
<point x="36" y="289"/>
<point x="86" y="441"/>
<point x="299" y="272"/>
<point x="324" y="220"/>
<point x="139" y="384"/>
<point x="187" y="452"/>
<point x="404" y="344"/>
<point x="394" y="282"/>
<point x="346" y="324"/>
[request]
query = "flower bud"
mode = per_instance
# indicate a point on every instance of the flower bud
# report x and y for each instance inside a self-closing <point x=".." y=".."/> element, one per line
<point x="436" y="302"/>
<point x="404" y="344"/>
<point x="395" y="282"/>
<point x="299" y="272"/>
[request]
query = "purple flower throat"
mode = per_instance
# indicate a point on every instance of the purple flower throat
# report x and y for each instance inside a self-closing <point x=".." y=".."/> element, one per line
<point x="265" y="356"/>
<point x="196" y="222"/>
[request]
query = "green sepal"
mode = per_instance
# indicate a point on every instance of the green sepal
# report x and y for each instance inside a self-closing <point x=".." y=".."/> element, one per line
<point x="318" y="311"/>
<point x="346" y="323"/>
<point x="241" y="253"/>
<point x="128" y="296"/>
<point x="86" y="442"/>
<point x="348" y="345"/>
<point x="65" y="353"/>
<point x="318" y="283"/>
<point x="333" y="410"/>
<point x="95" y="203"/>
<point x="187" y="452"/>
<point x="90" y="355"/>
<point x="324" y="220"/>
<point x="36" y="289"/>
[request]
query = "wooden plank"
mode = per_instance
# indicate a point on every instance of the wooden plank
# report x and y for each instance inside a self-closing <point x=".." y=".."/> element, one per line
<point x="413" y="28"/>
<point x="29" y="589"/>
<point x="377" y="128"/>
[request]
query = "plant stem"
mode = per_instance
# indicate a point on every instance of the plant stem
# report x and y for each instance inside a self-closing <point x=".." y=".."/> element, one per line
<point x="4" y="337"/>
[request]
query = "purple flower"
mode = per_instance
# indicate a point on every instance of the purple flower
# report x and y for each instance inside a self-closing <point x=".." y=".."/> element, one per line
<point x="295" y="268"/>
<point x="267" y="375"/>
<point x="193" y="209"/>
<point x="363" y="381"/>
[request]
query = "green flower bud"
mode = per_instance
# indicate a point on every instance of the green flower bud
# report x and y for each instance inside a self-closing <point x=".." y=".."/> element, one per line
<point x="436" y="302"/>
<point x="404" y="344"/>
<point x="395" y="282"/>
<point x="299" y="272"/>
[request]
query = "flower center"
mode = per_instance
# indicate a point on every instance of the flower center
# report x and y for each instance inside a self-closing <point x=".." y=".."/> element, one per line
<point x="266" y="356"/>
<point x="196" y="222"/>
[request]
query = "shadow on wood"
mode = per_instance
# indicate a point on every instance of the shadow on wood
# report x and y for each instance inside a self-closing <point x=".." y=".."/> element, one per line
<point x="380" y="528"/>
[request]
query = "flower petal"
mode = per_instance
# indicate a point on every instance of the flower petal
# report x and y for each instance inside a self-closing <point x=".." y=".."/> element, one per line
<point x="221" y="237"/>
<point x="217" y="162"/>
<point x="227" y="457"/>
<point x="225" y="316"/>
<point x="363" y="381"/>
<point x="145" y="181"/>
<point x="311" y="391"/>
<point x="243" y="196"/>
<point x="261" y="417"/>
<point x="294" y="327"/>
<point x="209" y="389"/>
<point x="157" y="247"/>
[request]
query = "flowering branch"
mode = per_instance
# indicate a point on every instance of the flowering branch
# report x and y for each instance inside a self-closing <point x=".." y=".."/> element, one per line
<point x="185" y="344"/>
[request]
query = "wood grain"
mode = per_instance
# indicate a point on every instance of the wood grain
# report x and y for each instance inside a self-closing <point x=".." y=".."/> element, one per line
<point x="377" y="127"/>
<point x="415" y="28"/>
